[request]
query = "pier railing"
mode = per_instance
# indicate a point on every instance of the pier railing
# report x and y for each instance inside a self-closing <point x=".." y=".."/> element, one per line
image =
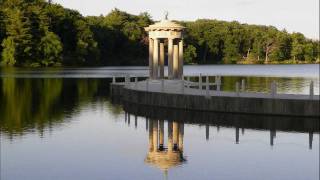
<point x="204" y="87"/>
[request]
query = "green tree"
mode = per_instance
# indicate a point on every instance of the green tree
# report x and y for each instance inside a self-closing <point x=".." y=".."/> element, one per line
<point x="8" y="52"/>
<point x="18" y="27"/>
<point x="2" y="27"/>
<point x="189" y="54"/>
<point x="297" y="46"/>
<point x="86" y="47"/>
<point x="282" y="50"/>
<point x="308" y="52"/>
<point x="50" y="48"/>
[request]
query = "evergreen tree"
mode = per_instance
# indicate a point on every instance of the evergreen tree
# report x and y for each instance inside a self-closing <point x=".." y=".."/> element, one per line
<point x="189" y="54"/>
<point x="18" y="28"/>
<point x="8" y="52"/>
<point x="297" y="46"/>
<point x="50" y="48"/>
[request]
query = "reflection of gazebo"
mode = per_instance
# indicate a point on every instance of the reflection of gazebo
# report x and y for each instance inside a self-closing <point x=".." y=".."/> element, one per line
<point x="160" y="32"/>
<point x="160" y="156"/>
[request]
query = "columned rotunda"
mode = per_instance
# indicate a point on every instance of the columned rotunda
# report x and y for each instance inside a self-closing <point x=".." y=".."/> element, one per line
<point x="164" y="33"/>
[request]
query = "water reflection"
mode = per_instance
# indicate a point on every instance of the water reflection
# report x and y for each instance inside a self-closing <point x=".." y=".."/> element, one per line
<point x="161" y="154"/>
<point x="85" y="127"/>
<point x="27" y="105"/>
<point x="165" y="155"/>
<point x="240" y="122"/>
<point x="297" y="85"/>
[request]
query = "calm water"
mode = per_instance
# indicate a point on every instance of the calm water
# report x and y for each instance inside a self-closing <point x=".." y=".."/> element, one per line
<point x="63" y="125"/>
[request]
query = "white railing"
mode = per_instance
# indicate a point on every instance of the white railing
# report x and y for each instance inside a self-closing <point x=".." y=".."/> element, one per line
<point x="240" y="88"/>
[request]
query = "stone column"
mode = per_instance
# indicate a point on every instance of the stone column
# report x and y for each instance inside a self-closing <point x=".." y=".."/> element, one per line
<point x="175" y="134"/>
<point x="155" y="135"/>
<point x="155" y="58"/>
<point x="150" y="57"/>
<point x="161" y="63"/>
<point x="150" y="136"/>
<point x="180" y="59"/>
<point x="170" y="140"/>
<point x="181" y="133"/>
<point x="175" y="61"/>
<point x="161" y="134"/>
<point x="170" y="58"/>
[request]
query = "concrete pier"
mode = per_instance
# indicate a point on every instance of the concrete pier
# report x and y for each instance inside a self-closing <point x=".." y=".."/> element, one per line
<point x="217" y="101"/>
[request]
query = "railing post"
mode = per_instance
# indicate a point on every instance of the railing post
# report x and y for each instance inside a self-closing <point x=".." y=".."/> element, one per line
<point x="188" y="81"/>
<point x="127" y="80"/>
<point x="162" y="85"/>
<point x="238" y="89"/>
<point x="243" y="85"/>
<point x="147" y="84"/>
<point x="182" y="86"/>
<point x="207" y="87"/>
<point x="113" y="79"/>
<point x="136" y="82"/>
<point x="218" y="82"/>
<point x="311" y="90"/>
<point x="200" y="81"/>
<point x="273" y="89"/>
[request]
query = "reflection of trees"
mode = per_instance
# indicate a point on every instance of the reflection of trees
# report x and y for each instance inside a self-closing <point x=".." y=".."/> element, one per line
<point x="27" y="104"/>
<point x="262" y="84"/>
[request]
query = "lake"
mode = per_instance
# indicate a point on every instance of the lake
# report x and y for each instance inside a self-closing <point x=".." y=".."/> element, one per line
<point x="61" y="124"/>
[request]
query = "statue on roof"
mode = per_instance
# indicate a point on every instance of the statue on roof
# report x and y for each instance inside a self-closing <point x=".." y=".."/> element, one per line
<point x="166" y="15"/>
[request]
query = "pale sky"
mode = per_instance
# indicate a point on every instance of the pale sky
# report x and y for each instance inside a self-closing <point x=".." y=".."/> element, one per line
<point x="293" y="15"/>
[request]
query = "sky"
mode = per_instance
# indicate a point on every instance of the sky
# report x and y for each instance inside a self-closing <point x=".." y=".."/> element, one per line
<point x="292" y="15"/>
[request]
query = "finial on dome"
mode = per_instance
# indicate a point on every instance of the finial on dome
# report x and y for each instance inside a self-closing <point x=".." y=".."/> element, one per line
<point x="166" y="15"/>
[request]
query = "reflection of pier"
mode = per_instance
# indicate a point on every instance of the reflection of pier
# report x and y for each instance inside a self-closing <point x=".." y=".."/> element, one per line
<point x="166" y="153"/>
<point x="239" y="122"/>
<point x="160" y="155"/>
<point x="272" y="135"/>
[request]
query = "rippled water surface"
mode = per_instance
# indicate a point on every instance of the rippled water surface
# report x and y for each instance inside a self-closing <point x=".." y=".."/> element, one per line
<point x="63" y="125"/>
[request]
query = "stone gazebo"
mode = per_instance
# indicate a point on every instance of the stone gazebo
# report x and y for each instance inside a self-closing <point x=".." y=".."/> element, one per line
<point x="160" y="33"/>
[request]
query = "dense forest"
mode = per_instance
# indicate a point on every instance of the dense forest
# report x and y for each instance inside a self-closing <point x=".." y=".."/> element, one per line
<point x="39" y="33"/>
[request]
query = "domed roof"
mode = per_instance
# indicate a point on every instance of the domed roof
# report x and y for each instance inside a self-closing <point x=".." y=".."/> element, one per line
<point x="164" y="160"/>
<point x="165" y="25"/>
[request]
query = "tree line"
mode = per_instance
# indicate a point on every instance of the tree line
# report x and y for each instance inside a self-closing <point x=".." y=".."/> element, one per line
<point x="213" y="41"/>
<point x="38" y="33"/>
